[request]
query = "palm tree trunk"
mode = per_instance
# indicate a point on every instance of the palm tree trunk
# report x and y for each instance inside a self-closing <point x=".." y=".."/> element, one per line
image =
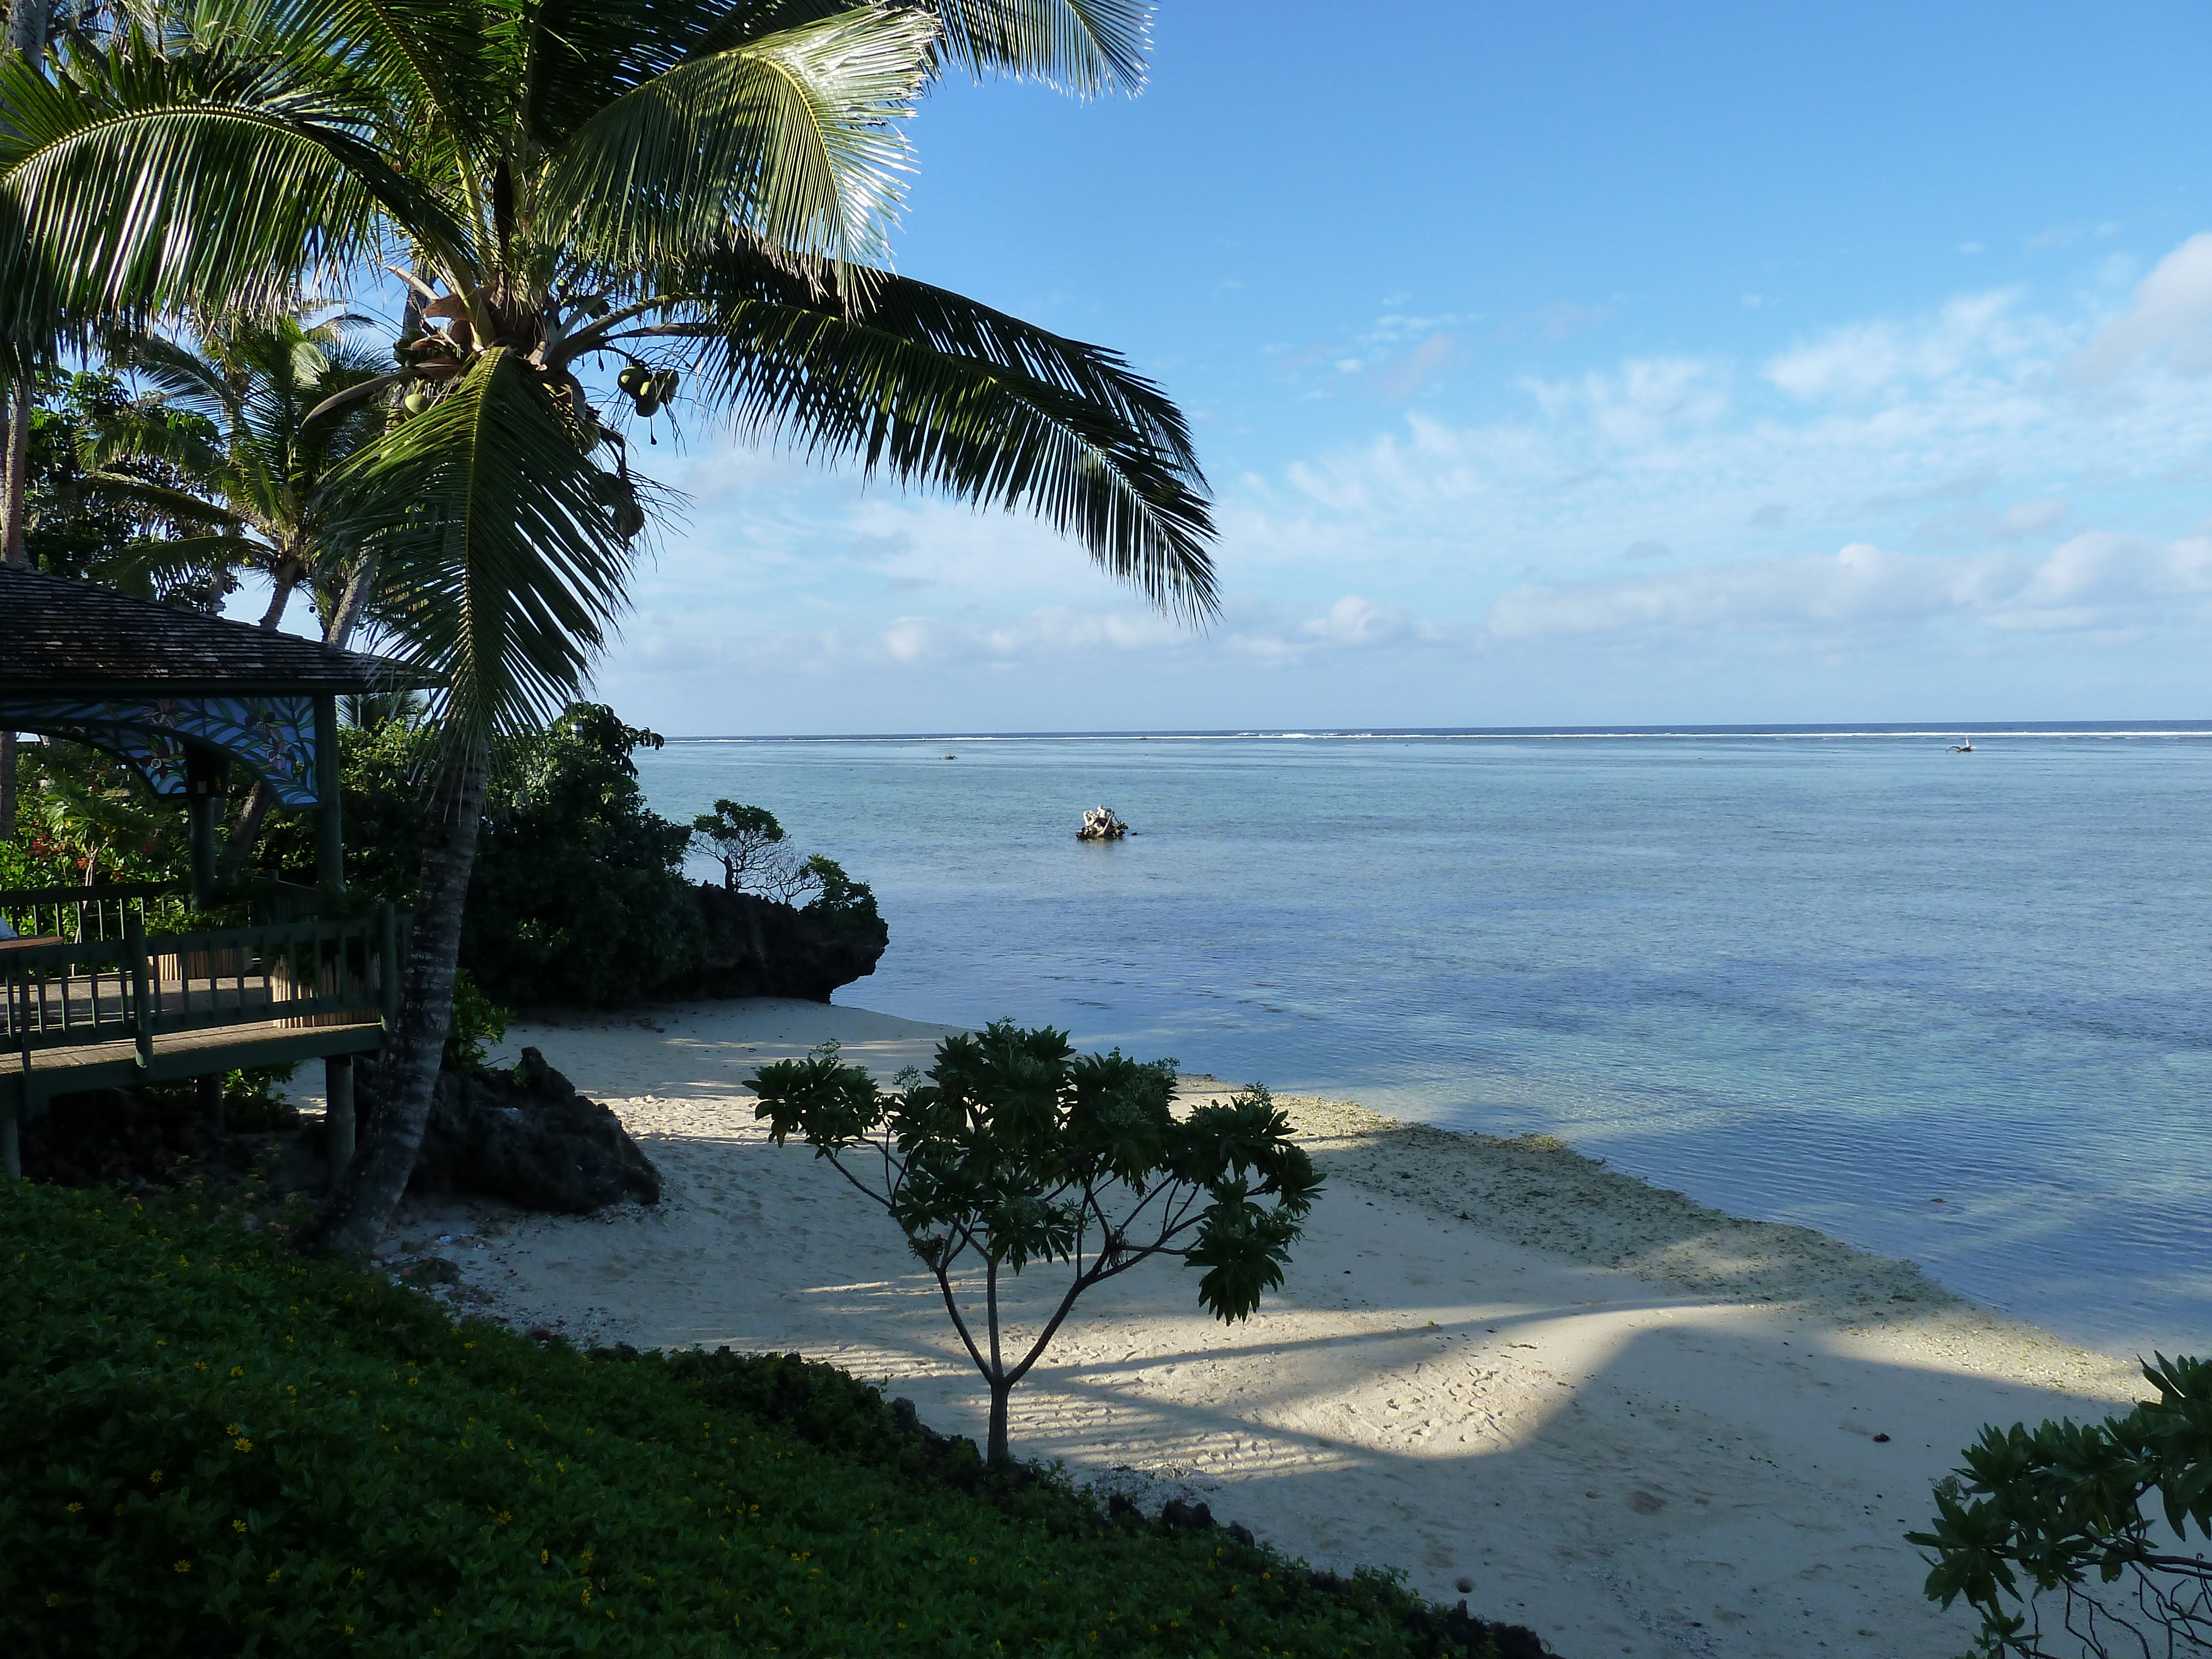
<point x="13" y="481"/>
<point x="355" y="1214"/>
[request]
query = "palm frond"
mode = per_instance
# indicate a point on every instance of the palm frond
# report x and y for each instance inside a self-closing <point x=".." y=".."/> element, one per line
<point x="219" y="181"/>
<point x="178" y="506"/>
<point x="936" y="390"/>
<point x="1082" y="46"/>
<point x="792" y="140"/>
<point x="500" y="566"/>
<point x="183" y="378"/>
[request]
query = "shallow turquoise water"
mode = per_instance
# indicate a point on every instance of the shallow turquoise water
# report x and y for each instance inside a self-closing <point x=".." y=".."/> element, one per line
<point x="1821" y="978"/>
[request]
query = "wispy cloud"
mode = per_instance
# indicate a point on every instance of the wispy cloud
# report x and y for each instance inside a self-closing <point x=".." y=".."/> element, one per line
<point x="2100" y="581"/>
<point x="1995" y="467"/>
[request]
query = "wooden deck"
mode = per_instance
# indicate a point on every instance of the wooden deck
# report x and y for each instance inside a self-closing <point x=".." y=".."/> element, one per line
<point x="109" y="1012"/>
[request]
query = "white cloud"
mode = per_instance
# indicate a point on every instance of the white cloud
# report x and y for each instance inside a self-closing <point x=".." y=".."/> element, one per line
<point x="1669" y="501"/>
<point x="2101" y="581"/>
<point x="2169" y="323"/>
<point x="1863" y="359"/>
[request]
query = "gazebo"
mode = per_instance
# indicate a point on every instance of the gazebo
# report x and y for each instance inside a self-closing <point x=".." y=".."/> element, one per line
<point x="92" y="998"/>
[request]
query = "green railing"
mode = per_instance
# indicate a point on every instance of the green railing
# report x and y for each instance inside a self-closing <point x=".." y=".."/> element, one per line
<point x="87" y="914"/>
<point x="138" y="988"/>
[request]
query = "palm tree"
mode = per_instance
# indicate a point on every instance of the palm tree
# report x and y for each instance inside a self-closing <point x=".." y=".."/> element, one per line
<point x="248" y="495"/>
<point x="250" y="468"/>
<point x="698" y="193"/>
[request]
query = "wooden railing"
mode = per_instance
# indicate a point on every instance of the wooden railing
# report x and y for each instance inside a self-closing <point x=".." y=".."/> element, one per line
<point x="138" y="988"/>
<point x="81" y="915"/>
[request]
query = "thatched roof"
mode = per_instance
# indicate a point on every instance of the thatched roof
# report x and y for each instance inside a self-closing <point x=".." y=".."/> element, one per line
<point x="59" y="637"/>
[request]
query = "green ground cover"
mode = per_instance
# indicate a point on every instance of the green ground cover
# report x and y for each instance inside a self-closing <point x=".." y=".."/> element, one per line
<point x="216" y="1447"/>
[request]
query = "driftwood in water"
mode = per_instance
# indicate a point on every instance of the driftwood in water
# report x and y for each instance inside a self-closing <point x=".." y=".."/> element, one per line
<point x="1099" y="824"/>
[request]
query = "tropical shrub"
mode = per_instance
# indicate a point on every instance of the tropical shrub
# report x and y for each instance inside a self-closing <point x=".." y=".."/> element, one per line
<point x="1016" y="1151"/>
<point x="578" y="894"/>
<point x="837" y="895"/>
<point x="477" y="1024"/>
<point x="2093" y="1518"/>
<point x="215" y="1446"/>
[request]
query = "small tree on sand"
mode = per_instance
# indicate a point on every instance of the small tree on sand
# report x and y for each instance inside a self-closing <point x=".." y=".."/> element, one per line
<point x="1017" y="1150"/>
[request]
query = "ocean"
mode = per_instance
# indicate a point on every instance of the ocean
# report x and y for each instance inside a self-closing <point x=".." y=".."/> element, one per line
<point x="1819" y="976"/>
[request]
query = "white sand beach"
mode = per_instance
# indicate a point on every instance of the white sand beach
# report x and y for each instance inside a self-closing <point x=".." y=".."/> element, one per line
<point x="1636" y="1425"/>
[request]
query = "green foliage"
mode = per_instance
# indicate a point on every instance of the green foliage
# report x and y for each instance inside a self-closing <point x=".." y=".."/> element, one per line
<point x="81" y="811"/>
<point x="1016" y="1152"/>
<point x="747" y="841"/>
<point x="477" y="1023"/>
<point x="2037" y="1511"/>
<point x="578" y="895"/>
<point x="216" y="1447"/>
<point x="75" y="527"/>
<point x="220" y="448"/>
<point x="841" y="899"/>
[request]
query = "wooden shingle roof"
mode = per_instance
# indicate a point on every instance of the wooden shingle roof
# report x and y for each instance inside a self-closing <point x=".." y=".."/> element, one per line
<point x="60" y="635"/>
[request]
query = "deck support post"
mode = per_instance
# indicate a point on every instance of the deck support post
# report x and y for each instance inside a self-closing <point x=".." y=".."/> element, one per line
<point x="210" y="1088"/>
<point x="338" y="1117"/>
<point x="199" y="815"/>
<point x="330" y="829"/>
<point x="11" y="1146"/>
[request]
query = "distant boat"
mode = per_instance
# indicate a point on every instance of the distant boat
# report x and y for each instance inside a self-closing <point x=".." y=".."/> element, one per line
<point x="1966" y="748"/>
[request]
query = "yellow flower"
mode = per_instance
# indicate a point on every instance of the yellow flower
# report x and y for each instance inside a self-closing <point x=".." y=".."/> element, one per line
<point x="53" y="1598"/>
<point x="238" y="1370"/>
<point x="242" y="1444"/>
<point x="184" y="1567"/>
<point x="238" y="1526"/>
<point x="275" y="1574"/>
<point x="544" y="1556"/>
<point x="74" y="1508"/>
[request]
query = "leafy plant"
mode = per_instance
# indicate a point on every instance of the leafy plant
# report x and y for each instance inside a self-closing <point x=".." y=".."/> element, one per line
<point x="478" y="1023"/>
<point x="577" y="895"/>
<point x="840" y="897"/>
<point x="2037" y="1512"/>
<point x="1017" y="1152"/>
<point x="96" y="813"/>
<point x="77" y="525"/>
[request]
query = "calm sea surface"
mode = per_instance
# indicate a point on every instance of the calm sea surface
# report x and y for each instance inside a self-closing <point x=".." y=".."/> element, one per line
<point x="1820" y="977"/>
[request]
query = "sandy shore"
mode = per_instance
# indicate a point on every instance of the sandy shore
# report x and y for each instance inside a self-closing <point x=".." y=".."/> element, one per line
<point x="1637" y="1424"/>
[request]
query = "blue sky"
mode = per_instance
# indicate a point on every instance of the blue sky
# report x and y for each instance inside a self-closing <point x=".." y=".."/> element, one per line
<point x="1566" y="363"/>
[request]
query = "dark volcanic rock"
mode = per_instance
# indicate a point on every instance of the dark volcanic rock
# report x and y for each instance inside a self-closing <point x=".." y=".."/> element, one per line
<point x="527" y="1136"/>
<point x="756" y="947"/>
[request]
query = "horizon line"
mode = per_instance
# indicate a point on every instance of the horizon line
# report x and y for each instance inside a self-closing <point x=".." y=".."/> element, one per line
<point x="2142" y="728"/>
